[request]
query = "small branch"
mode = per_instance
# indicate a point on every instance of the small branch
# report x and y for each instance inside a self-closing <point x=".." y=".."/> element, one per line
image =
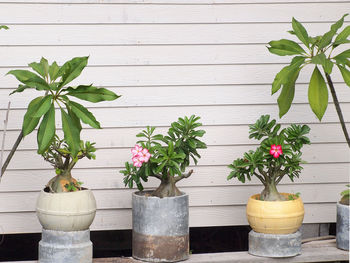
<point x="279" y="178"/>
<point x="157" y="176"/>
<point x="3" y="137"/>
<point x="338" y="109"/>
<point x="178" y="178"/>
<point x="260" y="178"/>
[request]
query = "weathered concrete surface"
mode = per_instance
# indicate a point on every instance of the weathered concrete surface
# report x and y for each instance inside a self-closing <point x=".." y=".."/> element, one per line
<point x="160" y="228"/>
<point x="342" y="233"/>
<point x="272" y="245"/>
<point x="65" y="247"/>
<point x="316" y="251"/>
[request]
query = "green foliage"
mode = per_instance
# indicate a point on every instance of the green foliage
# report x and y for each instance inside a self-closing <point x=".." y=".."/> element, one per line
<point x="294" y="196"/>
<point x="4" y="27"/>
<point x="52" y="79"/>
<point x="170" y="154"/>
<point x="60" y="156"/>
<point x="345" y="200"/>
<point x="261" y="163"/>
<point x="317" y="51"/>
<point x="72" y="187"/>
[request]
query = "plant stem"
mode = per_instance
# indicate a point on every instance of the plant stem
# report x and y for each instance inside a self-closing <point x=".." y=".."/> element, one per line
<point x="337" y="107"/>
<point x="3" y="137"/>
<point x="9" y="157"/>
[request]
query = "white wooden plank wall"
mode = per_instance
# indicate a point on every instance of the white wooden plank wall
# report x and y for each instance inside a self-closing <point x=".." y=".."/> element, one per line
<point x="169" y="58"/>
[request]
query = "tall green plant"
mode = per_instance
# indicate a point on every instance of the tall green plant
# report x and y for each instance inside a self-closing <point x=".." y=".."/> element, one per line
<point x="53" y="81"/>
<point x="316" y="51"/>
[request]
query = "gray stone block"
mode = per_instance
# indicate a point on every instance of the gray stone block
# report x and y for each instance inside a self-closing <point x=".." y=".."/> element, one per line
<point x="276" y="246"/>
<point x="65" y="247"/>
<point x="342" y="236"/>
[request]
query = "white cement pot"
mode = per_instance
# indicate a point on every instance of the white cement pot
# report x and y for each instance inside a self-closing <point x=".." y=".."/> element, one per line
<point x="71" y="211"/>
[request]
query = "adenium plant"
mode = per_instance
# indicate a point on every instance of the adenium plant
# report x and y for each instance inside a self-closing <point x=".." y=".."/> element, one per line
<point x="53" y="81"/>
<point x="165" y="157"/>
<point x="279" y="154"/>
<point x="60" y="157"/>
<point x="319" y="52"/>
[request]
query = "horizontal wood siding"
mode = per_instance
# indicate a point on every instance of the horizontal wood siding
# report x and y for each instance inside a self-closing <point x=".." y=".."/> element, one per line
<point x="169" y="59"/>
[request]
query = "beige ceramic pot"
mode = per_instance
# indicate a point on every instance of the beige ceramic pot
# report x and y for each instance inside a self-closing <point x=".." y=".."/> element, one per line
<point x="70" y="211"/>
<point x="275" y="217"/>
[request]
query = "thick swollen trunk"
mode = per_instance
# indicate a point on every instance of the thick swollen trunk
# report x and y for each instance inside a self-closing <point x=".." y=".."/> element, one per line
<point x="270" y="193"/>
<point x="59" y="183"/>
<point x="167" y="188"/>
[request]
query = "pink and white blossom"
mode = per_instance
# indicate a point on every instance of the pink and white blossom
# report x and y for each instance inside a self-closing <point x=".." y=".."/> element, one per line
<point x="276" y="150"/>
<point x="140" y="155"/>
<point x="136" y="150"/>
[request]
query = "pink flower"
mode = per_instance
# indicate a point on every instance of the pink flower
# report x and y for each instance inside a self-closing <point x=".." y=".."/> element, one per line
<point x="136" y="162"/>
<point x="140" y="155"/>
<point x="276" y="150"/>
<point x="144" y="155"/>
<point x="136" y="150"/>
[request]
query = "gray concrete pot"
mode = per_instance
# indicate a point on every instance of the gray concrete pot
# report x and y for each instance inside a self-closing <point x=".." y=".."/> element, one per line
<point x="160" y="227"/>
<point x="342" y="235"/>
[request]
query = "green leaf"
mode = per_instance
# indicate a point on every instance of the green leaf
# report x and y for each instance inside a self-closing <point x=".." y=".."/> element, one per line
<point x="20" y="88"/>
<point x="326" y="39"/>
<point x="43" y="106"/>
<point x="284" y="75"/>
<point x="342" y="37"/>
<point x="30" y="79"/>
<point x="71" y="133"/>
<point x="285" y="47"/>
<point x="343" y="58"/>
<point x="30" y="122"/>
<point x="53" y="71"/>
<point x="45" y="65"/>
<point x="328" y="66"/>
<point x="338" y="24"/>
<point x="326" y="63"/>
<point x="4" y="27"/>
<point x="319" y="59"/>
<point x="345" y="73"/>
<point x="72" y="69"/>
<point x="46" y="130"/>
<point x="91" y="93"/>
<point x="86" y="116"/>
<point x="287" y="94"/>
<point x="75" y="119"/>
<point x="38" y="68"/>
<point x="300" y="32"/>
<point x="318" y="94"/>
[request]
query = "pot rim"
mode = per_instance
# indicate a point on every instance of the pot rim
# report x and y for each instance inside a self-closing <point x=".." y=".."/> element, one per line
<point x="141" y="194"/>
<point x="75" y="192"/>
<point x="338" y="203"/>
<point x="253" y="198"/>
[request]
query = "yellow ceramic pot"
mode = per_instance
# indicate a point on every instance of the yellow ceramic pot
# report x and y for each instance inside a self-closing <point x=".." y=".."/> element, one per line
<point x="275" y="217"/>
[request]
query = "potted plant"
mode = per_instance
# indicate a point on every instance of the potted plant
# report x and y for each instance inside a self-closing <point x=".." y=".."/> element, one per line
<point x="75" y="207"/>
<point x="160" y="217"/>
<point x="63" y="205"/>
<point x="319" y="52"/>
<point x="342" y="228"/>
<point x="278" y="155"/>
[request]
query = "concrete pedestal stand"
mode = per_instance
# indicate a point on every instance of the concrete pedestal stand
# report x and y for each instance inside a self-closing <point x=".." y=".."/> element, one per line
<point x="65" y="247"/>
<point x="342" y="236"/>
<point x="273" y="245"/>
